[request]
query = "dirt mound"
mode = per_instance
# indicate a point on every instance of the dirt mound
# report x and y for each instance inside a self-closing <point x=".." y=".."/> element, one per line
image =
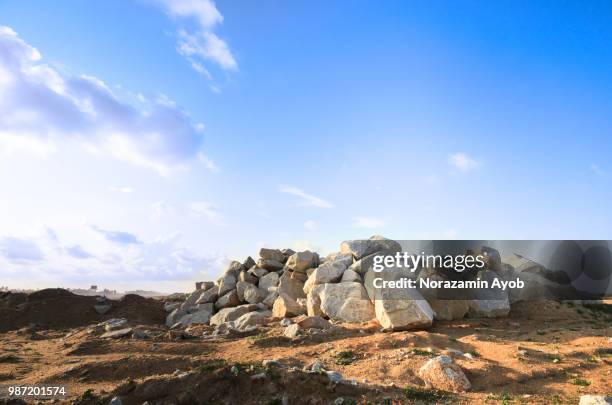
<point x="58" y="309"/>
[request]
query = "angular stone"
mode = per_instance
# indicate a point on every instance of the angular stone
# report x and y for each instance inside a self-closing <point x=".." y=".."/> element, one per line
<point x="174" y="316"/>
<point x="209" y="295"/>
<point x="204" y="285"/>
<point x="247" y="277"/>
<point x="350" y="276"/>
<point x="325" y="273"/>
<point x="248" y="263"/>
<point x="272" y="254"/>
<point x="403" y="309"/>
<point x="270" y="298"/>
<point x="233" y="269"/>
<point x="315" y="322"/>
<point x="285" y="307"/>
<point x="449" y="310"/>
<point x="292" y="331"/>
<point x="267" y="281"/>
<point x="287" y="252"/>
<point x="258" y="272"/>
<point x="346" y="302"/>
<point x="491" y="302"/>
<point x="270" y="264"/>
<point x="240" y="287"/>
<point x="290" y="285"/>
<point x="302" y="261"/>
<point x="362" y="248"/>
<point x="202" y="316"/>
<point x="443" y="374"/>
<point x="250" y="319"/>
<point x="226" y="283"/>
<point x="254" y="294"/>
<point x="117" y="334"/>
<point x="228" y="300"/>
<point x="343" y="259"/>
<point x="313" y="301"/>
<point x="231" y="314"/>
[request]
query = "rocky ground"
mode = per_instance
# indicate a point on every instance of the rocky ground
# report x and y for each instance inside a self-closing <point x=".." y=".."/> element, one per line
<point x="293" y="328"/>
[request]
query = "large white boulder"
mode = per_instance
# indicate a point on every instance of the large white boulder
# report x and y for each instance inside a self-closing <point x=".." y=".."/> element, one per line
<point x="346" y="302"/>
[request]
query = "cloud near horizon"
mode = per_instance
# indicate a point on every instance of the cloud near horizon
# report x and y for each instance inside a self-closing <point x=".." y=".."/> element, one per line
<point x="40" y="105"/>
<point x="161" y="259"/>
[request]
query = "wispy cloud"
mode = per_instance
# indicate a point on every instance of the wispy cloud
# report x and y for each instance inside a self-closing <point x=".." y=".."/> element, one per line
<point x="369" y="222"/>
<point x="78" y="252"/>
<point x="123" y="189"/>
<point x="306" y="199"/>
<point x="207" y="210"/>
<point x="118" y="237"/>
<point x="208" y="163"/>
<point x="311" y="225"/>
<point x="596" y="169"/>
<point x="201" y="45"/>
<point x="463" y="162"/>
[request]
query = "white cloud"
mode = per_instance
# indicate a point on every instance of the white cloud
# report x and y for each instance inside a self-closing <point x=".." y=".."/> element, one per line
<point x="39" y="105"/>
<point x="161" y="209"/>
<point x="208" y="163"/>
<point x="124" y="189"/>
<point x="202" y="44"/>
<point x="597" y="170"/>
<point x="203" y="10"/>
<point x="207" y="210"/>
<point x="450" y="234"/>
<point x="463" y="162"/>
<point x="311" y="225"/>
<point x="369" y="222"/>
<point x="307" y="199"/>
<point x="208" y="46"/>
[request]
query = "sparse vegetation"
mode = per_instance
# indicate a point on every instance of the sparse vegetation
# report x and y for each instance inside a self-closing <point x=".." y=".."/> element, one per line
<point x="425" y="395"/>
<point x="345" y="358"/>
<point x="581" y="382"/>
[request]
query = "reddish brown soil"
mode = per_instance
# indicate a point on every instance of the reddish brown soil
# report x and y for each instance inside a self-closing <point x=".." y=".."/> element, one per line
<point x="568" y="352"/>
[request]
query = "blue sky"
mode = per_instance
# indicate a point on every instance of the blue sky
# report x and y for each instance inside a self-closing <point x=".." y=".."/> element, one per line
<point x="143" y="143"/>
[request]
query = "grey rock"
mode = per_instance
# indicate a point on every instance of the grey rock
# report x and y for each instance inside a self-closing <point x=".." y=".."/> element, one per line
<point x="270" y="298"/>
<point x="272" y="254"/>
<point x="326" y="273"/>
<point x="231" y="314"/>
<point x="250" y="319"/>
<point x="285" y="322"/>
<point x="226" y="283"/>
<point x="350" y="276"/>
<point x="258" y="272"/>
<point x="313" y="301"/>
<point x="346" y="302"/>
<point x="248" y="263"/>
<point x="102" y="308"/>
<point x="270" y="265"/>
<point x="285" y="307"/>
<point x="334" y="377"/>
<point x="267" y="281"/>
<point x="228" y="300"/>
<point x="442" y="373"/>
<point x="302" y="261"/>
<point x="291" y="284"/>
<point x="362" y="248"/>
<point x="204" y="285"/>
<point x="210" y="295"/>
<point x="247" y="277"/>
<point x="254" y="294"/>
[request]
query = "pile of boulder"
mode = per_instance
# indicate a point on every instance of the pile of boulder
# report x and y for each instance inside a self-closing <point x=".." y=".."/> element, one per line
<point x="338" y="287"/>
